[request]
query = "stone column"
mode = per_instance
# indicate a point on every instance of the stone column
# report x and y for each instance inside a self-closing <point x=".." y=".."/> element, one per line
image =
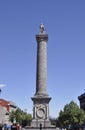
<point x="41" y="71"/>
<point x="41" y="99"/>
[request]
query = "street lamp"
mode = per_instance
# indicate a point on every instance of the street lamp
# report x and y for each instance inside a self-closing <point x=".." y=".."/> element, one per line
<point x="1" y="86"/>
<point x="0" y="90"/>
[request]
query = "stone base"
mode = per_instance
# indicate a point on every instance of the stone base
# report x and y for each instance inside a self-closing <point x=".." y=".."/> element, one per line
<point x="43" y="128"/>
<point x="41" y="111"/>
<point x="43" y="123"/>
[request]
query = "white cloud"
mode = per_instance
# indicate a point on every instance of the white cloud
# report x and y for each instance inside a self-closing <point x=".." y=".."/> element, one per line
<point x="2" y="85"/>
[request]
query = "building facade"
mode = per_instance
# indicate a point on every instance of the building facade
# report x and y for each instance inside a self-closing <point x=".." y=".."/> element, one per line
<point x="5" y="108"/>
<point x="81" y="99"/>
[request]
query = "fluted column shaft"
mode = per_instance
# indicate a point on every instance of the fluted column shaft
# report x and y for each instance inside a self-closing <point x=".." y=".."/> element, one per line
<point x="41" y="71"/>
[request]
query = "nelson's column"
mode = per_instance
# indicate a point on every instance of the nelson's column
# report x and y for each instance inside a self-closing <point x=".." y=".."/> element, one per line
<point x="41" y="99"/>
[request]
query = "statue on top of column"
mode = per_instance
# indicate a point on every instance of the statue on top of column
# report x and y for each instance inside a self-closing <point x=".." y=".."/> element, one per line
<point x="42" y="29"/>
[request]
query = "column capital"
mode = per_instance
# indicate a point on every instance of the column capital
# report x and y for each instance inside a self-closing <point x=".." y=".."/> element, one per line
<point x="41" y="37"/>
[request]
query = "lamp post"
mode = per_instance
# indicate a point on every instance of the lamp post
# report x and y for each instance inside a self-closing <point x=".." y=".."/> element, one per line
<point x="0" y="90"/>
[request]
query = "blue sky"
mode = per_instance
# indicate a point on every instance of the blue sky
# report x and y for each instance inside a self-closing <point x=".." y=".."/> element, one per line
<point x="64" y="22"/>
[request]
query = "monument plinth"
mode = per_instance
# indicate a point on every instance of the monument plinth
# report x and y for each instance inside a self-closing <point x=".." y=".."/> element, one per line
<point x="41" y="99"/>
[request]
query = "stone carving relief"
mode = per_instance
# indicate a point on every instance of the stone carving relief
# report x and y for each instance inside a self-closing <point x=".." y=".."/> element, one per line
<point x="40" y="111"/>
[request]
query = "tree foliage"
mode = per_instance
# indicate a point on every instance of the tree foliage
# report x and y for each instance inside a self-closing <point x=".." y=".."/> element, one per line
<point x="20" y="116"/>
<point x="53" y="121"/>
<point x="71" y="115"/>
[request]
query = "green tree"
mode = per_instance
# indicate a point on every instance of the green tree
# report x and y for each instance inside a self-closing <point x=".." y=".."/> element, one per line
<point x="20" y="116"/>
<point x="71" y="115"/>
<point x="53" y="121"/>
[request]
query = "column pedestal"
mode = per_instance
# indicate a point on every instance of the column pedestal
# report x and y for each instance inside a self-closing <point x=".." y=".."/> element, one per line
<point x="41" y="111"/>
